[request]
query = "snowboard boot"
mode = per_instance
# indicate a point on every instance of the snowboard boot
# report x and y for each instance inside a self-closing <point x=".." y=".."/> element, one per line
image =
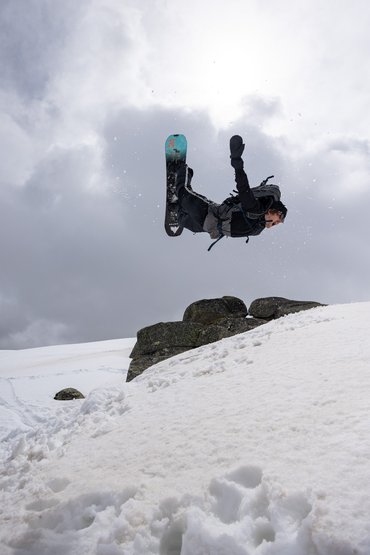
<point x="181" y="176"/>
<point x="189" y="178"/>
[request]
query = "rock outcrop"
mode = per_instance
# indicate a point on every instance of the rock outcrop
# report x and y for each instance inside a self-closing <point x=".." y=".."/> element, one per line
<point x="209" y="311"/>
<point x="206" y="321"/>
<point x="270" y="308"/>
<point x="68" y="394"/>
<point x="167" y="339"/>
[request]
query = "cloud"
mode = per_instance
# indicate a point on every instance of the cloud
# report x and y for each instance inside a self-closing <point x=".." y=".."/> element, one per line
<point x="34" y="334"/>
<point x="33" y="35"/>
<point x="89" y="93"/>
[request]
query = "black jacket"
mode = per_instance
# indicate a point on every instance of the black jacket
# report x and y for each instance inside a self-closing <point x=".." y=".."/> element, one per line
<point x="242" y="224"/>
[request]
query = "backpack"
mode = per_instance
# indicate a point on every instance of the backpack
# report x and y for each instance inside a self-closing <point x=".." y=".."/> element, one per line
<point x="263" y="190"/>
<point x="267" y="190"/>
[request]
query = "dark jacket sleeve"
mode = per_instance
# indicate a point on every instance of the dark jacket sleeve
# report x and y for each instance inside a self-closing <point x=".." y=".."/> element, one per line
<point x="247" y="198"/>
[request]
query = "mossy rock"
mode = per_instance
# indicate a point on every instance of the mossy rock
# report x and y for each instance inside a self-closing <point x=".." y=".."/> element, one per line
<point x="275" y="307"/>
<point x="209" y="311"/>
<point x="68" y="394"/>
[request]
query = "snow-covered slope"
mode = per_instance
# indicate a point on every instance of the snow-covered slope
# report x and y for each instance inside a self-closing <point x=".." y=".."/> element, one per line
<point x="258" y="444"/>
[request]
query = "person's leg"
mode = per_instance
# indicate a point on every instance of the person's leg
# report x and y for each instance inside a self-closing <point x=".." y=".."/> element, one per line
<point x="193" y="208"/>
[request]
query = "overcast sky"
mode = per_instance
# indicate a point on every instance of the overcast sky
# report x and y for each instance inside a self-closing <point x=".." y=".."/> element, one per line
<point x="89" y="91"/>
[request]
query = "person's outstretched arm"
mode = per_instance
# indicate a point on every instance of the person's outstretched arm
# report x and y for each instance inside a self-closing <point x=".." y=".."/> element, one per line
<point x="247" y="198"/>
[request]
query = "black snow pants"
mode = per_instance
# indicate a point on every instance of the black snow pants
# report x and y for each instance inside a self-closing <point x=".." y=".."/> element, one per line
<point x="193" y="208"/>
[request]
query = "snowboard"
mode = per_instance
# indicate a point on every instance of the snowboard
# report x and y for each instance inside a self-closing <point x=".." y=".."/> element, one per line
<point x="176" y="146"/>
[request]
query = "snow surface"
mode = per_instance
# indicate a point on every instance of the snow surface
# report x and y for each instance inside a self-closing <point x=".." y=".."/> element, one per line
<point x="257" y="444"/>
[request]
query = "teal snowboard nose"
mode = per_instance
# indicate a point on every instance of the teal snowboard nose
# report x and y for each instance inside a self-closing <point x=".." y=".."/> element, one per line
<point x="176" y="146"/>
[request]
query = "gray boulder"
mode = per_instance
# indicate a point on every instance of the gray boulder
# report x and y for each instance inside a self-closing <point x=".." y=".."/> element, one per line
<point x="270" y="308"/>
<point x="167" y="339"/>
<point x="68" y="394"/>
<point x="168" y="335"/>
<point x="209" y="311"/>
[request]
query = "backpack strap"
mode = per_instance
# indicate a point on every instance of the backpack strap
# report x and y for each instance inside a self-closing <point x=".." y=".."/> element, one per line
<point x="266" y="180"/>
<point x="221" y="236"/>
<point x="219" y="227"/>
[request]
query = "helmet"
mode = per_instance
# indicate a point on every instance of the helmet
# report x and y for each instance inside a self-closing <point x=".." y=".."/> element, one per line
<point x="278" y="205"/>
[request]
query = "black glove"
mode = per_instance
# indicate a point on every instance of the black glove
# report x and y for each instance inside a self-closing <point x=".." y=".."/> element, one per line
<point x="236" y="151"/>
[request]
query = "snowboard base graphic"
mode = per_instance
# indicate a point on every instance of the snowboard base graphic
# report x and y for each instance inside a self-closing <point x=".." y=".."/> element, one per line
<point x="176" y="146"/>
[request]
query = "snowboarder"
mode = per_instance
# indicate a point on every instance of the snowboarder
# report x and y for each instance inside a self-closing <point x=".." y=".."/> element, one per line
<point x="246" y="214"/>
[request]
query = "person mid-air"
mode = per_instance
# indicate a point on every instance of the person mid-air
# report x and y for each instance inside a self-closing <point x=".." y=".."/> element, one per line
<point x="248" y="213"/>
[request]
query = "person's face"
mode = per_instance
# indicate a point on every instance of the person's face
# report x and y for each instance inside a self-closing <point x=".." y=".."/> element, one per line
<point x="273" y="219"/>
